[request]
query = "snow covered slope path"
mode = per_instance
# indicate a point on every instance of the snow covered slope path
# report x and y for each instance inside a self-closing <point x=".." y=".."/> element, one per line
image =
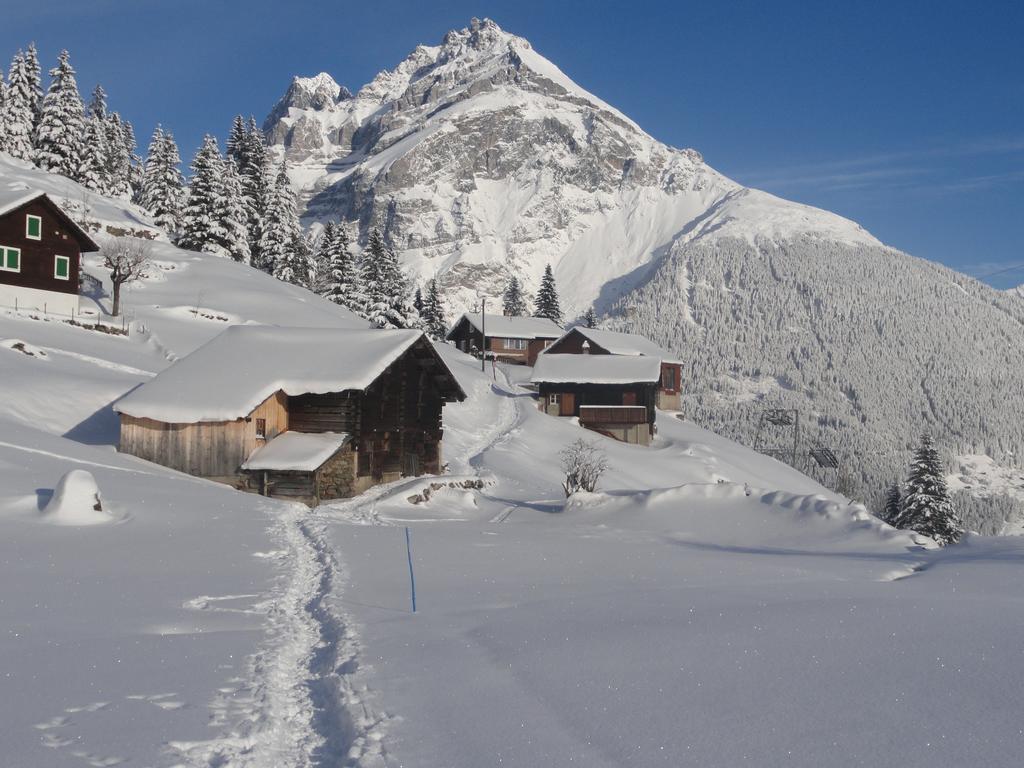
<point x="300" y="710"/>
<point x="709" y="622"/>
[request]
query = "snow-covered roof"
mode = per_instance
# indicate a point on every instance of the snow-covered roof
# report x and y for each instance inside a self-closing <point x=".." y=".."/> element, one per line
<point x="512" y="327"/>
<point x="15" y="194"/>
<point x="618" y="343"/>
<point x="297" y="451"/>
<point x="230" y="375"/>
<point x="596" y="369"/>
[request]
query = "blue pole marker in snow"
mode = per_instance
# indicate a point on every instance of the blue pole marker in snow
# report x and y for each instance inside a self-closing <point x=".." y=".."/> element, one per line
<point x="412" y="578"/>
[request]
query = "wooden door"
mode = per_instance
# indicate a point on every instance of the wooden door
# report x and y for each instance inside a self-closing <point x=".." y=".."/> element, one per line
<point x="568" y="405"/>
<point x="629" y="398"/>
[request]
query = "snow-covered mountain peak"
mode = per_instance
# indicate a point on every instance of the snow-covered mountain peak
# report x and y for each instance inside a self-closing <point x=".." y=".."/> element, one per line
<point x="478" y="158"/>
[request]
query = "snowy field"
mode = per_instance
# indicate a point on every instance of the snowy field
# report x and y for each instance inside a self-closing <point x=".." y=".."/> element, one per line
<point x="708" y="606"/>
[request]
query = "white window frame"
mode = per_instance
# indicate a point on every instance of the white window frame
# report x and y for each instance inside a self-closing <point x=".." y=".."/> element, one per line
<point x="3" y="261"/>
<point x="555" y="398"/>
<point x="520" y="345"/>
<point x="28" y="218"/>
<point x="56" y="261"/>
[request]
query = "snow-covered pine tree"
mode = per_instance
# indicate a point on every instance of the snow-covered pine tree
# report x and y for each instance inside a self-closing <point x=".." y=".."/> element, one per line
<point x="61" y="128"/>
<point x="926" y="507"/>
<point x="891" y="510"/>
<point x="98" y="103"/>
<point x="319" y="263"/>
<point x="546" y="304"/>
<point x="385" y="288"/>
<point x="233" y="215"/>
<point x="257" y="185"/>
<point x="343" y="276"/>
<point x="589" y="318"/>
<point x="299" y="263"/>
<point x="123" y="166"/>
<point x="163" y="188"/>
<point x="235" y="146"/>
<point x="34" y="85"/>
<point x="513" y="303"/>
<point x="201" y="228"/>
<point x="434" y="320"/>
<point x="281" y="233"/>
<point x="18" y="115"/>
<point x="417" y="301"/>
<point x="93" y="170"/>
<point x="134" y="161"/>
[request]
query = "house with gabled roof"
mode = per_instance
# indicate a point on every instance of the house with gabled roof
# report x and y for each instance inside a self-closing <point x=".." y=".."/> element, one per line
<point x="614" y="395"/>
<point x="301" y="413"/>
<point x="41" y="251"/>
<point x="581" y="340"/>
<point x="517" y="339"/>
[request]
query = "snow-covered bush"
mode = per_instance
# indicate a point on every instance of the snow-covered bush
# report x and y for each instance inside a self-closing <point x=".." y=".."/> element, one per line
<point x="584" y="463"/>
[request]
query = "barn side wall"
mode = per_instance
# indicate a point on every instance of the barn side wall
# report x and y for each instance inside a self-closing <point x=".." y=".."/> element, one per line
<point x="213" y="449"/>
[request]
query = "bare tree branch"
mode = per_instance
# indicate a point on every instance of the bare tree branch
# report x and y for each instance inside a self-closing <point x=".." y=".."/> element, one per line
<point x="127" y="259"/>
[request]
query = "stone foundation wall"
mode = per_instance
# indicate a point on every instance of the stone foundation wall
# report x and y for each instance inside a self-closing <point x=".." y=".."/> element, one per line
<point x="338" y="476"/>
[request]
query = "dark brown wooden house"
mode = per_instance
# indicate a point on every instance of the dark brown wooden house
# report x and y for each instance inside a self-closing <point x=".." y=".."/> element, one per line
<point x="593" y="341"/>
<point x="303" y="413"/>
<point x="611" y="394"/>
<point x="507" y="339"/>
<point x="40" y="253"/>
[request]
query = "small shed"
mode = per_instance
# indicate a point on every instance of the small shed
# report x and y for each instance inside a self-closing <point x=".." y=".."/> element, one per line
<point x="310" y="413"/>
<point x="509" y="339"/>
<point x="305" y="466"/>
<point x="581" y="340"/>
<point x="613" y="395"/>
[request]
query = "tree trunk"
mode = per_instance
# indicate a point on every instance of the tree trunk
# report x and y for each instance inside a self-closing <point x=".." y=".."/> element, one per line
<point x="116" y="309"/>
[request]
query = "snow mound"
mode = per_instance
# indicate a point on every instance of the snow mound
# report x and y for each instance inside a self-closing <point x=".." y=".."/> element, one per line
<point x="76" y="501"/>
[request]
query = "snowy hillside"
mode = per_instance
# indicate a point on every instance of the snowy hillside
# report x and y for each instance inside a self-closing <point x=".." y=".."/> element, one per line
<point x="662" y="619"/>
<point x="480" y="159"/>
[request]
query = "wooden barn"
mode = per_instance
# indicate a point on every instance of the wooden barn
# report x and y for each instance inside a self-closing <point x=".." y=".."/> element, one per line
<point x="581" y="340"/>
<point x="303" y="413"/>
<point x="40" y="253"/>
<point x="507" y="339"/>
<point x="610" y="394"/>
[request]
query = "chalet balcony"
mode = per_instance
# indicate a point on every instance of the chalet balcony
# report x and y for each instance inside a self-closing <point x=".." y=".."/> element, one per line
<point x="612" y="414"/>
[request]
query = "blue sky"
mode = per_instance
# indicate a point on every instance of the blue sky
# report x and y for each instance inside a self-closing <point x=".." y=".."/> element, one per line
<point x="905" y="116"/>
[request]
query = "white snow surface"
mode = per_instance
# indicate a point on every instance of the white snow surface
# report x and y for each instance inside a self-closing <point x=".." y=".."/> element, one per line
<point x="299" y="451"/>
<point x="706" y="606"/>
<point x="596" y="369"/>
<point x="229" y="376"/>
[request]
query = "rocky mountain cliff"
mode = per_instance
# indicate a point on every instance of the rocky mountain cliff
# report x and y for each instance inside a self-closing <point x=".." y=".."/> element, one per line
<point x="479" y="159"/>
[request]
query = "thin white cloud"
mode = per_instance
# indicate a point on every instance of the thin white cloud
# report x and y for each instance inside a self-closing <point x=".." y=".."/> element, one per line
<point x="905" y="169"/>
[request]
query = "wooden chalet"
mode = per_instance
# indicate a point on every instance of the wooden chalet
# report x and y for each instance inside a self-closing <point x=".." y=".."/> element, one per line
<point x="302" y="413"/>
<point x="507" y="339"/>
<point x="613" y="395"/>
<point x="40" y="252"/>
<point x="593" y="341"/>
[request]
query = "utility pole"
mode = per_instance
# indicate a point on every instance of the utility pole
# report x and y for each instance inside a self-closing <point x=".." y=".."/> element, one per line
<point x="483" y="334"/>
